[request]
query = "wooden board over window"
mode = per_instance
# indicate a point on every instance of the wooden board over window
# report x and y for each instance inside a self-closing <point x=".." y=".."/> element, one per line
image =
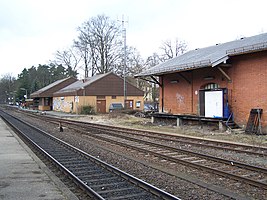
<point x="100" y="97"/>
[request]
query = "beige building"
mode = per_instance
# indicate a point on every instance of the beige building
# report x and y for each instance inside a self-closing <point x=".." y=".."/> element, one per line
<point x="99" y="92"/>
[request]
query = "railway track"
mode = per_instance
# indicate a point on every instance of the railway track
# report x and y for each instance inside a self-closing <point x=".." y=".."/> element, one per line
<point x="252" y="175"/>
<point x="98" y="179"/>
<point x="181" y="141"/>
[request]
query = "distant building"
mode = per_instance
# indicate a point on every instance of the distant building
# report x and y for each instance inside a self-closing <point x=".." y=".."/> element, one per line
<point x="219" y="81"/>
<point x="99" y="92"/>
<point x="43" y="98"/>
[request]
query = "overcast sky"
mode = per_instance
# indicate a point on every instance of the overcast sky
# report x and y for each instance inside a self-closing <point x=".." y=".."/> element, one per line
<point x="31" y="31"/>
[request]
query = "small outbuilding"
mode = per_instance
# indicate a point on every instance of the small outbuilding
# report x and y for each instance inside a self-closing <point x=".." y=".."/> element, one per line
<point x="43" y="98"/>
<point x="225" y="81"/>
<point x="100" y="92"/>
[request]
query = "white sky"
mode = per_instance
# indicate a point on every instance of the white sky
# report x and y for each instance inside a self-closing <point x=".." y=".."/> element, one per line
<point x="31" y="31"/>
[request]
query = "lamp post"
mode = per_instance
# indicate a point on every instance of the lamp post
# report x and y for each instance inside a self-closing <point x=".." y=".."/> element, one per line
<point x="26" y="92"/>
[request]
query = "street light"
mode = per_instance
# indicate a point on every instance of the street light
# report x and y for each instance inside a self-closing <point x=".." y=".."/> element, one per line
<point x="26" y="92"/>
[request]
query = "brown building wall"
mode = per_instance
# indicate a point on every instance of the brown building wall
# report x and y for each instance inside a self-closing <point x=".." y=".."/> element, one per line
<point x="111" y="85"/>
<point x="247" y="90"/>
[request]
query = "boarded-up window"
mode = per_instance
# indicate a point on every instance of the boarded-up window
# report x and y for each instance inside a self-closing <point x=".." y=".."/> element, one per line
<point x="101" y="97"/>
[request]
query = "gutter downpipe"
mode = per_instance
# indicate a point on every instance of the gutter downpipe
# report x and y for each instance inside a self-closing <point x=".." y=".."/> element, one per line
<point x="192" y="92"/>
<point x="162" y="94"/>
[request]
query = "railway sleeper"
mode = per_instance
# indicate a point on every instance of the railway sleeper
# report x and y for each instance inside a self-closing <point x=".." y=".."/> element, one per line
<point x="112" y="180"/>
<point x="97" y="173"/>
<point x="198" y="161"/>
<point x="94" y="177"/>
<point x="189" y="158"/>
<point x="120" y="192"/>
<point x="251" y="174"/>
<point x="264" y="180"/>
<point x="131" y="196"/>
<point x="74" y="164"/>
<point x="105" y="190"/>
<point x="109" y="185"/>
<point x="85" y="171"/>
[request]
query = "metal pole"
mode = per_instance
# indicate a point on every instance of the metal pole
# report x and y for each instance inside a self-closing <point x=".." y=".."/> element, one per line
<point x="124" y="63"/>
<point x="124" y="70"/>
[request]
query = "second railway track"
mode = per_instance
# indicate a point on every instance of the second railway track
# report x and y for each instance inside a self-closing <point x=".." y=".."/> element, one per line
<point x="253" y="175"/>
<point x="182" y="141"/>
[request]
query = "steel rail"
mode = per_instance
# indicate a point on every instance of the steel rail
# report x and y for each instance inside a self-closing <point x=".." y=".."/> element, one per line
<point x="135" y="181"/>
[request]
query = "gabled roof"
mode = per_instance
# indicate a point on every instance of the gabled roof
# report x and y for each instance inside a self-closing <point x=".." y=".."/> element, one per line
<point x="81" y="84"/>
<point x="48" y="90"/>
<point x="102" y="84"/>
<point x="209" y="56"/>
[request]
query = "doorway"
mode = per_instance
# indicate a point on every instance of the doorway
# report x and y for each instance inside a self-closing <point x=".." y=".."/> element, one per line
<point x="129" y="104"/>
<point x="101" y="106"/>
<point x="213" y="103"/>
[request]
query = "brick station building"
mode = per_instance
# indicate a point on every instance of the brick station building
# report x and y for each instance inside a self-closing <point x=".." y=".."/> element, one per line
<point x="221" y="81"/>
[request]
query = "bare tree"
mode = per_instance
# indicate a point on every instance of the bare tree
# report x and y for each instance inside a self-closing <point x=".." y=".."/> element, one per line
<point x="104" y="44"/>
<point x="84" y="52"/>
<point x="68" y="58"/>
<point x="171" y="50"/>
<point x="134" y="63"/>
<point x="152" y="60"/>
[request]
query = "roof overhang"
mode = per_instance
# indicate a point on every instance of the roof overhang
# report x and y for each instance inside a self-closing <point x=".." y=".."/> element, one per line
<point x="184" y="67"/>
<point x="175" y="69"/>
<point x="247" y="49"/>
<point x="219" y="61"/>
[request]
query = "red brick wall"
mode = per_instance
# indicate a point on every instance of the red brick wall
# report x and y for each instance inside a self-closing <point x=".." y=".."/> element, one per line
<point x="247" y="90"/>
<point x="249" y="86"/>
<point x="183" y="97"/>
<point x="177" y="96"/>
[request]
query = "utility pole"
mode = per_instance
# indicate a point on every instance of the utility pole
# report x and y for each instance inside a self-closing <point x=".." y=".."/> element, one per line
<point x="124" y="60"/>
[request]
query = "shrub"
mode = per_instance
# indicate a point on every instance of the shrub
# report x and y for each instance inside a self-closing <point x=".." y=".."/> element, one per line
<point x="87" y="110"/>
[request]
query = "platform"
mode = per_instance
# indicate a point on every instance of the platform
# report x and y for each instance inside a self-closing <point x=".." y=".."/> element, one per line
<point x="180" y="120"/>
<point x="23" y="175"/>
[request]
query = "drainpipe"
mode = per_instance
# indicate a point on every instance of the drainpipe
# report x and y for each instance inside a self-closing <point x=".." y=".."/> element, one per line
<point x="76" y="102"/>
<point x="162" y="94"/>
<point x="192" y="94"/>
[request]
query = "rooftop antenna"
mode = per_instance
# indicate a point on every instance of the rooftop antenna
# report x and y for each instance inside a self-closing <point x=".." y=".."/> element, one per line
<point x="124" y="59"/>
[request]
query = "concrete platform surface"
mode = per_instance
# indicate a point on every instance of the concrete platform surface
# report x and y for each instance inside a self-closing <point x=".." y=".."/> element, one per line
<point x="23" y="175"/>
